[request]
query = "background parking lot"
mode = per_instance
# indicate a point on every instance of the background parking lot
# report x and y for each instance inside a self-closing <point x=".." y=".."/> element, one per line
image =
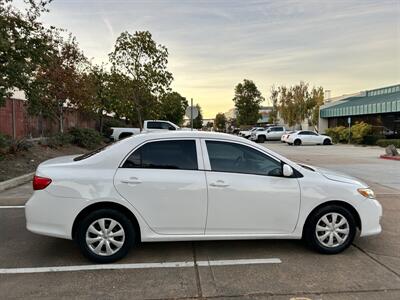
<point x="370" y="269"/>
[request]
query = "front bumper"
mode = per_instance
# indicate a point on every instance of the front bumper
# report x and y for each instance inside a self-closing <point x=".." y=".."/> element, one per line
<point x="371" y="215"/>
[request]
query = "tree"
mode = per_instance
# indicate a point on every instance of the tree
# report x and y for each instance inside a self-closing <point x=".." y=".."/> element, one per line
<point x="60" y="84"/>
<point x="172" y="107"/>
<point x="247" y="102"/>
<point x="198" y="121"/>
<point x="220" y="122"/>
<point x="23" y="45"/>
<point x="138" y="57"/>
<point x="273" y="116"/>
<point x="297" y="104"/>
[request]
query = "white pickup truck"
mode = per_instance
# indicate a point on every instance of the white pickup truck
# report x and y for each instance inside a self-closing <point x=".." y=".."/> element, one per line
<point x="271" y="133"/>
<point x="148" y="126"/>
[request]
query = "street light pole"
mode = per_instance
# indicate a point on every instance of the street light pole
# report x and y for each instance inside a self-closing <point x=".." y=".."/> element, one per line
<point x="191" y="114"/>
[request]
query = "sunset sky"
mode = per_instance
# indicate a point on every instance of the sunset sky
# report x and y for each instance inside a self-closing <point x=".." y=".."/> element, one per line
<point x="344" y="46"/>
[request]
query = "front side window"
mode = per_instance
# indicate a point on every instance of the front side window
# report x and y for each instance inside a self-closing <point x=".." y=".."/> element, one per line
<point x="176" y="154"/>
<point x="237" y="158"/>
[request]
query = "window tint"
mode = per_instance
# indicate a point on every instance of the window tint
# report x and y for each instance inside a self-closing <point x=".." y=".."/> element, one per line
<point x="236" y="158"/>
<point x="164" y="155"/>
<point x="154" y="125"/>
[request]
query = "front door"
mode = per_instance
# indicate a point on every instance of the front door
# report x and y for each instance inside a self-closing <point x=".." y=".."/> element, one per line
<point x="247" y="192"/>
<point x="162" y="180"/>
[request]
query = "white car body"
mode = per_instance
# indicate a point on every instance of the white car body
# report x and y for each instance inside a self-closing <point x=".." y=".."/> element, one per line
<point x="271" y="133"/>
<point x="307" y="137"/>
<point x="247" y="133"/>
<point x="201" y="204"/>
<point x="285" y="136"/>
<point x="148" y="126"/>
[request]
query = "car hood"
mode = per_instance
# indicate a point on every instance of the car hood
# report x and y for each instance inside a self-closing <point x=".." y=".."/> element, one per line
<point x="337" y="176"/>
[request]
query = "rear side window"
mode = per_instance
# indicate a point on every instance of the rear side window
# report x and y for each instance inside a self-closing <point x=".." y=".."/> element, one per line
<point x="179" y="154"/>
<point x="154" y="125"/>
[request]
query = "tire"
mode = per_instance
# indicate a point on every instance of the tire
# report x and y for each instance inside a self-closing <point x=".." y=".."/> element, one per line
<point x="327" y="142"/>
<point x="316" y="240"/>
<point x="297" y="142"/>
<point x="261" y="139"/>
<point x="119" y="244"/>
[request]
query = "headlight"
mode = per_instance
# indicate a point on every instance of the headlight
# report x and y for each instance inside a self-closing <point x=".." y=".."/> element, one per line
<point x="367" y="193"/>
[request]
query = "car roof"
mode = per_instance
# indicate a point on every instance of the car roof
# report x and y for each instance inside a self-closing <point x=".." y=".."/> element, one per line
<point x="188" y="134"/>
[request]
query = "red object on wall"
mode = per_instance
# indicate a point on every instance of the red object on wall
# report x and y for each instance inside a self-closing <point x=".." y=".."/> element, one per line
<point x="35" y="126"/>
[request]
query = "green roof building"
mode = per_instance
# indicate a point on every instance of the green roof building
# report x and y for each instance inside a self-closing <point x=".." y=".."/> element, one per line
<point x="378" y="107"/>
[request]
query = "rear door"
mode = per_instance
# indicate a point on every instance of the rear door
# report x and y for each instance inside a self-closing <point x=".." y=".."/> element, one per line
<point x="164" y="181"/>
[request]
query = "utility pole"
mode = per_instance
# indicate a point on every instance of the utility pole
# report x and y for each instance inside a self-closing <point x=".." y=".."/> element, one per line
<point x="191" y="114"/>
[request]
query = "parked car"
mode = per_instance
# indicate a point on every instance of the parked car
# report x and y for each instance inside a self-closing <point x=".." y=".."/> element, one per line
<point x="247" y="133"/>
<point x="306" y="137"/>
<point x="182" y="185"/>
<point x="119" y="133"/>
<point x="268" y="134"/>
<point x="285" y="136"/>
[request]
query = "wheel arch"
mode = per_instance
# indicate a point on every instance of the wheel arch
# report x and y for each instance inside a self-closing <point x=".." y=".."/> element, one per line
<point x="106" y="205"/>
<point x="344" y="204"/>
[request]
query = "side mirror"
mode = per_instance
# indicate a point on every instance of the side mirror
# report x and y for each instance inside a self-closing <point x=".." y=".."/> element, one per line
<point x="287" y="171"/>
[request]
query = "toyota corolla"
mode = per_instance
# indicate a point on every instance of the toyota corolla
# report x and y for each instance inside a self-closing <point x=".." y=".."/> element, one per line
<point x="180" y="186"/>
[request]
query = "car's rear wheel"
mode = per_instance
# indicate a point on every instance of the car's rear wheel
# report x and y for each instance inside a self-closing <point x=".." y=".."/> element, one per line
<point x="327" y="142"/>
<point x="297" y="142"/>
<point x="330" y="229"/>
<point x="261" y="139"/>
<point x="105" y="235"/>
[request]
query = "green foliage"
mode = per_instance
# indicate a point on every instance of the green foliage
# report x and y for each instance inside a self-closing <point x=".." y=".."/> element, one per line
<point x="143" y="64"/>
<point x="198" y="121"/>
<point x="220" y="122"/>
<point x="371" y="139"/>
<point x="297" y="103"/>
<point x="19" y="145"/>
<point x="85" y="137"/>
<point x="359" y="131"/>
<point x="273" y="115"/>
<point x="4" y="142"/>
<point x="23" y="45"/>
<point x="172" y="107"/>
<point x="60" y="140"/>
<point x="385" y="143"/>
<point x="247" y="101"/>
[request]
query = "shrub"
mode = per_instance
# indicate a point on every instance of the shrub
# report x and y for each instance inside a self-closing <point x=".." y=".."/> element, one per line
<point x="371" y="139"/>
<point x="387" y="142"/>
<point x="4" y="141"/>
<point x="19" y="145"/>
<point x="359" y="131"/>
<point x="59" y="140"/>
<point x="85" y="137"/>
<point x="338" y="134"/>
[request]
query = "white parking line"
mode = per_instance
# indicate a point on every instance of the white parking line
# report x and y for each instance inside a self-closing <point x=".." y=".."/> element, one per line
<point x="182" y="264"/>
<point x="12" y="206"/>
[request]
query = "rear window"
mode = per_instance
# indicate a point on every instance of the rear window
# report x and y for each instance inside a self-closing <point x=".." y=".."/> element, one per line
<point x="177" y="154"/>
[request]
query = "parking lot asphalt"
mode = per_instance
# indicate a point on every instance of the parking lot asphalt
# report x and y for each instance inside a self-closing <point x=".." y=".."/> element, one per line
<point x="369" y="269"/>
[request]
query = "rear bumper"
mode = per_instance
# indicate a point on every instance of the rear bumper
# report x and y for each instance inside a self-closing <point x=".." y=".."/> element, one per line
<point x="51" y="216"/>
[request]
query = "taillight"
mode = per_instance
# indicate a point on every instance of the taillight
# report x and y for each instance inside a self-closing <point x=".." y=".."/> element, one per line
<point x="40" y="183"/>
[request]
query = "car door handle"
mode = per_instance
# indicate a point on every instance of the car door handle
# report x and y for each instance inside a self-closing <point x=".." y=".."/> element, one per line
<point x="132" y="180"/>
<point x="219" y="183"/>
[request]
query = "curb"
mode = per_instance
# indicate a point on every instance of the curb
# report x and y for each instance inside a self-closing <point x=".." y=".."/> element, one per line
<point x="13" y="182"/>
<point x="390" y="157"/>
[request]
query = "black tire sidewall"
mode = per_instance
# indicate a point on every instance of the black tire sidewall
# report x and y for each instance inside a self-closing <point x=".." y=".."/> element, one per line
<point x="309" y="230"/>
<point x="297" y="142"/>
<point x="326" y="142"/>
<point x="261" y="139"/>
<point x="105" y="213"/>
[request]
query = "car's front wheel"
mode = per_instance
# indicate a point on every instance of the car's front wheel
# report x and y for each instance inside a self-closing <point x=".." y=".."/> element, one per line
<point x="105" y="235"/>
<point x="330" y="229"/>
<point x="261" y="139"/>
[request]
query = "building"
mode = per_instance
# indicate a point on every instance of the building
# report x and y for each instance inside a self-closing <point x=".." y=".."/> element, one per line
<point x="264" y="115"/>
<point x="378" y="107"/>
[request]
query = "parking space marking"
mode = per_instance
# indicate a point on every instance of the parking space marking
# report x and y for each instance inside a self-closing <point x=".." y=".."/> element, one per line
<point x="181" y="264"/>
<point x="12" y="206"/>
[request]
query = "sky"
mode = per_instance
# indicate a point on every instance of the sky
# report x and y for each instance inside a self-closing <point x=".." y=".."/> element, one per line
<point x="344" y="46"/>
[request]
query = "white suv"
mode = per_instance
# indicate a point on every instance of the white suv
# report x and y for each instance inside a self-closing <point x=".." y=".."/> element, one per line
<point x="271" y="133"/>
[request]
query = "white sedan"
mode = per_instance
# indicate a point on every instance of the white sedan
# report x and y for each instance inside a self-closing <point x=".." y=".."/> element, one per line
<point x="305" y="137"/>
<point x="181" y="186"/>
<point x="286" y="136"/>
